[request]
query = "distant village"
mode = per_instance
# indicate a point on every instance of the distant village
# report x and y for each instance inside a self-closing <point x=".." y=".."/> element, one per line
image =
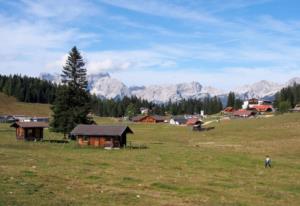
<point x="32" y="128"/>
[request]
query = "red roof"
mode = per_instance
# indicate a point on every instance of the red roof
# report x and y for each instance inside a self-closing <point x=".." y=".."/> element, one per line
<point x="193" y="121"/>
<point x="243" y="113"/>
<point x="228" y="109"/>
<point x="263" y="108"/>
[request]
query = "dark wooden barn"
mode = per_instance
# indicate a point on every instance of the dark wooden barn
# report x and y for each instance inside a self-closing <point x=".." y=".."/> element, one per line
<point x="29" y="131"/>
<point x="101" y="136"/>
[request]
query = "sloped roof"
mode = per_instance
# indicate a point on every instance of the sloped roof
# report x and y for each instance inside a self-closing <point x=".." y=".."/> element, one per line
<point x="99" y="130"/>
<point x="180" y="119"/>
<point x="243" y="113"/>
<point x="193" y="121"/>
<point x="140" y="117"/>
<point x="30" y="124"/>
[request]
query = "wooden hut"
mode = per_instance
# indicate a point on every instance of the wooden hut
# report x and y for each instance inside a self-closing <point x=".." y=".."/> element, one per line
<point x="148" y="119"/>
<point x="101" y="136"/>
<point x="29" y="131"/>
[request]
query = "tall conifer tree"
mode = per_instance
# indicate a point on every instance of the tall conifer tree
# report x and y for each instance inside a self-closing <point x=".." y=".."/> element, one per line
<point x="73" y="102"/>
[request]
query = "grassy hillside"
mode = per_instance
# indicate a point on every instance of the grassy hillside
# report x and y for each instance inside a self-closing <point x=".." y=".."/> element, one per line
<point x="9" y="105"/>
<point x="223" y="166"/>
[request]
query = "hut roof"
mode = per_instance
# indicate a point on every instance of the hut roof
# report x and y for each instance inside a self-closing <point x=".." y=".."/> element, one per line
<point x="193" y="121"/>
<point x="97" y="130"/>
<point x="30" y="124"/>
<point x="140" y="117"/>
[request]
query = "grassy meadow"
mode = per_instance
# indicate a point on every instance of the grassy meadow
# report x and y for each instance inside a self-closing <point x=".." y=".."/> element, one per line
<point x="9" y="105"/>
<point x="223" y="166"/>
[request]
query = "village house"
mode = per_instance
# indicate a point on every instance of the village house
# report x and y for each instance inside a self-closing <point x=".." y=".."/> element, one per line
<point x="295" y="109"/>
<point x="39" y="119"/>
<point x="193" y="121"/>
<point x="149" y="119"/>
<point x="178" y="120"/>
<point x="30" y="131"/>
<point x="101" y="136"/>
<point x="22" y="118"/>
<point x="7" y="119"/>
<point x="144" y="110"/>
<point x="242" y="113"/>
<point x="258" y="105"/>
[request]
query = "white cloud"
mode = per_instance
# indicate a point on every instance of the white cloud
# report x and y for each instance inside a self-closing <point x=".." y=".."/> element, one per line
<point x="64" y="10"/>
<point x="160" y="8"/>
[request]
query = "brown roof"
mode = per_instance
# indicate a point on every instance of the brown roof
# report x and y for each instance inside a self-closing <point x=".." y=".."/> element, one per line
<point x="97" y="130"/>
<point x="155" y="117"/>
<point x="138" y="118"/>
<point x="30" y="124"/>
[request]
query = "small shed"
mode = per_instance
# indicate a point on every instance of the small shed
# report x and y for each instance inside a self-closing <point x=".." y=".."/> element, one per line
<point x="29" y="131"/>
<point x="101" y="136"/>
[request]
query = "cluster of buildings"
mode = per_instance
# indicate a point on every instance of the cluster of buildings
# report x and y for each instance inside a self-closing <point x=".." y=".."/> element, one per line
<point x="185" y="120"/>
<point x="21" y="118"/>
<point x="250" y="108"/>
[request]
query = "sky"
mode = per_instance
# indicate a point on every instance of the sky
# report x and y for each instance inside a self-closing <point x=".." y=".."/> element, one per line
<point x="219" y="43"/>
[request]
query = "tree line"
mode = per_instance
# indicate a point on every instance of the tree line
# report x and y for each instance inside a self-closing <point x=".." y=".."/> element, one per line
<point x="130" y="106"/>
<point x="287" y="98"/>
<point x="28" y="89"/>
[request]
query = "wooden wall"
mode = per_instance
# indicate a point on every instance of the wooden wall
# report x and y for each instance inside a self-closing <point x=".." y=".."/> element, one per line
<point x="29" y="133"/>
<point x="99" y="141"/>
<point x="148" y="119"/>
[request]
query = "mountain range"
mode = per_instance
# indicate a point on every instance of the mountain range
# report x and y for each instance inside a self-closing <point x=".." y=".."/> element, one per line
<point x="104" y="86"/>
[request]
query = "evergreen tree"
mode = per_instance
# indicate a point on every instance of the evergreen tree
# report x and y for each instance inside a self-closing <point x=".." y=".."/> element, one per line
<point x="231" y="99"/>
<point x="238" y="104"/>
<point x="73" y="101"/>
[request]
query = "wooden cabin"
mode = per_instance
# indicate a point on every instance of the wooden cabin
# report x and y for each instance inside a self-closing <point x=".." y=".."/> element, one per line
<point x="101" y="136"/>
<point x="29" y="131"/>
<point x="148" y="119"/>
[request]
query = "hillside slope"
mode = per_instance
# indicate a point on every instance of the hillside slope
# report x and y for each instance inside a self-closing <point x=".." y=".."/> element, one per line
<point x="9" y="105"/>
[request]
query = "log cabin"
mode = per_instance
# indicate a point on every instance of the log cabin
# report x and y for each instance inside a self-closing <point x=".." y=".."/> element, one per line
<point x="101" y="136"/>
<point x="30" y="131"/>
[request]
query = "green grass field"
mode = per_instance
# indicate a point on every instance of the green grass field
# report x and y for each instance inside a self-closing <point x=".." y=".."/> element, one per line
<point x="10" y="106"/>
<point x="223" y="166"/>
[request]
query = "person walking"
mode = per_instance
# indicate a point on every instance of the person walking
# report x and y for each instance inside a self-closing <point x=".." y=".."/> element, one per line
<point x="267" y="162"/>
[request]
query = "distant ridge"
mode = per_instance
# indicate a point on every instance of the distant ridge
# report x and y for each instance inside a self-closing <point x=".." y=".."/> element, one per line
<point x="104" y="86"/>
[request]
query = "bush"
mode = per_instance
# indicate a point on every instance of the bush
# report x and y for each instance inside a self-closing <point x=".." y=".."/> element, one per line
<point x="284" y="106"/>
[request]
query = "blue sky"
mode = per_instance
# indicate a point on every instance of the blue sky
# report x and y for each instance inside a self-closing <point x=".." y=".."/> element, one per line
<point x="218" y="43"/>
